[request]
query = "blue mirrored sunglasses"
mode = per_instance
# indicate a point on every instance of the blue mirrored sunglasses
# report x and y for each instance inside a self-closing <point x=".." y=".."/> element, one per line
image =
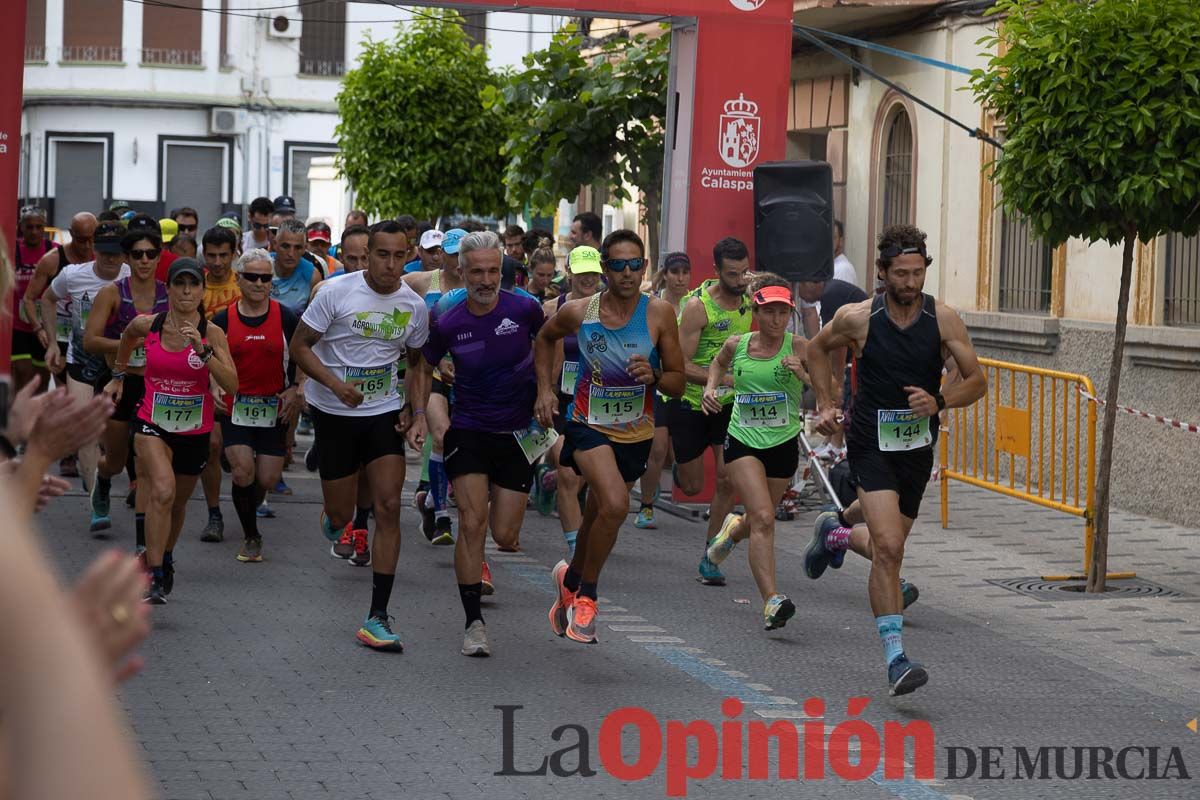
<point x="621" y="264"/>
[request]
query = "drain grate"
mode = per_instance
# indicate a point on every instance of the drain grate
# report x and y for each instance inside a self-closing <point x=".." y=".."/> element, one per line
<point x="1054" y="591"/>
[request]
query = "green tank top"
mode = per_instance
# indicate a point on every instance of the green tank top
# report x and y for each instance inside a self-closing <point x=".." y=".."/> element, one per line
<point x="766" y="398"/>
<point x="720" y="326"/>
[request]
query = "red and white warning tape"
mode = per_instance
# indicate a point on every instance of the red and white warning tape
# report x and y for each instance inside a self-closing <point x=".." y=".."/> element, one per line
<point x="1174" y="423"/>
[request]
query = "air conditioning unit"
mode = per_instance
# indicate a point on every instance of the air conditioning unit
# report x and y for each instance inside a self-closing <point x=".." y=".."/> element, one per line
<point x="283" y="26"/>
<point x="226" y="121"/>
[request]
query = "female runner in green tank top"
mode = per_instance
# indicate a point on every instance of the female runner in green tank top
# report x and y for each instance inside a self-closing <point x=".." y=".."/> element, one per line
<point x="761" y="449"/>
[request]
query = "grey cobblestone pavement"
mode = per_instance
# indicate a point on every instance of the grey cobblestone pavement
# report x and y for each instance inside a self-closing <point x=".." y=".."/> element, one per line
<point x="255" y="687"/>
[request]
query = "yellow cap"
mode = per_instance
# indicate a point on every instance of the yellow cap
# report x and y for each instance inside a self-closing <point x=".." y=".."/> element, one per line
<point x="169" y="229"/>
<point x="584" y="259"/>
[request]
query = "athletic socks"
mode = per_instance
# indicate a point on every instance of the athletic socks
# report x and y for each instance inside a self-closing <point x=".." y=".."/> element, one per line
<point x="571" y="580"/>
<point x="139" y="527"/>
<point x="103" y="484"/>
<point x="214" y="512"/>
<point x="438" y="485"/>
<point x="890" y="627"/>
<point x="837" y="539"/>
<point x="470" y="593"/>
<point x="244" y="505"/>
<point x="587" y="590"/>
<point x="570" y="537"/>
<point x="168" y="559"/>
<point x="841" y="515"/>
<point x="361" y="516"/>
<point x="381" y="592"/>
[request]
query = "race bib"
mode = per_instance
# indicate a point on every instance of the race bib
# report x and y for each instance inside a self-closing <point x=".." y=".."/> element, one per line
<point x="762" y="410"/>
<point x="615" y="405"/>
<point x="176" y="413"/>
<point x="62" y="329"/>
<point x="254" y="411"/>
<point x="903" y="429"/>
<point x="535" y="440"/>
<point x="570" y="376"/>
<point x="375" y="383"/>
<point x="138" y="357"/>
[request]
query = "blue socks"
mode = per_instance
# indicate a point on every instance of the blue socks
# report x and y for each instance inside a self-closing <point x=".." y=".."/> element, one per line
<point x="438" y="484"/>
<point x="890" y="627"/>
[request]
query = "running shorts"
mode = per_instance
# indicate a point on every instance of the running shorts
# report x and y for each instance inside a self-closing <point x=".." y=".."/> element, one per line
<point x="263" y="441"/>
<point x="26" y="347"/>
<point x="496" y="455"/>
<point x="631" y="457"/>
<point x="189" y="451"/>
<point x="693" y="432"/>
<point x="96" y="377"/>
<point x="904" y="472"/>
<point x="346" y="443"/>
<point x="780" y="461"/>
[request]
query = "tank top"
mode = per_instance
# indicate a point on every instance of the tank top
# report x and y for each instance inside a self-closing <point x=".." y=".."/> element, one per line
<point x="62" y="309"/>
<point x="177" y="399"/>
<point x="720" y="326"/>
<point x="606" y="397"/>
<point x="125" y="313"/>
<point x="766" y="397"/>
<point x="293" y="291"/>
<point x="27" y="259"/>
<point x="570" y="368"/>
<point x="892" y="358"/>
<point x="259" y="353"/>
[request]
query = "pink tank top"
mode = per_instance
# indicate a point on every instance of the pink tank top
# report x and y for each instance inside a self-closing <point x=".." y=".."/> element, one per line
<point x="177" y="398"/>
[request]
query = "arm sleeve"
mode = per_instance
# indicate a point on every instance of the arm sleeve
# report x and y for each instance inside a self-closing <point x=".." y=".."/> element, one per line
<point x="319" y="314"/>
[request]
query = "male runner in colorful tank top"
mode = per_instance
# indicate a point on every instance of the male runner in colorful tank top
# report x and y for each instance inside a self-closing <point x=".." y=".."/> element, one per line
<point x="624" y="337"/>
<point x="901" y="339"/>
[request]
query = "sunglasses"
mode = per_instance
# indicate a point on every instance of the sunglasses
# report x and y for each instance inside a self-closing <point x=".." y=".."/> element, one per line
<point x="188" y="228"/>
<point x="149" y="255"/>
<point x="622" y="264"/>
<point x="261" y="226"/>
<point x="258" y="277"/>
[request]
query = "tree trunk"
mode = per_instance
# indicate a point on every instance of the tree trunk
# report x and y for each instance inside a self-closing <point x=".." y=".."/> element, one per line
<point x="1098" y="569"/>
<point x="652" y="208"/>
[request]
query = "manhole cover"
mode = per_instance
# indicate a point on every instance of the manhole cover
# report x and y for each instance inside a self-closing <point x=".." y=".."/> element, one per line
<point x="1054" y="591"/>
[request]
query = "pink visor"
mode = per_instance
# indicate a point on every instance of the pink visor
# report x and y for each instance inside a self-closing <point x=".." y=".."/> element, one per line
<point x="774" y="294"/>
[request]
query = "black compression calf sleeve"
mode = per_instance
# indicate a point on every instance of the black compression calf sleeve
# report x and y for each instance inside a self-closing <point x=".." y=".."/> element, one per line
<point x="244" y="505"/>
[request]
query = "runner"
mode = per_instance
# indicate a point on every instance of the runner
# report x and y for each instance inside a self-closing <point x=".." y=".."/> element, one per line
<point x="258" y="330"/>
<point x="115" y="306"/>
<point x="715" y="311"/>
<point x="433" y="501"/>
<point x="79" y="283"/>
<point x="295" y="275"/>
<point x="543" y="267"/>
<point x="761" y="451"/>
<point x="623" y="333"/>
<point x="901" y="338"/>
<point x="492" y="442"/>
<point x="675" y="278"/>
<point x="583" y="265"/>
<point x="348" y="342"/>
<point x="221" y="288"/>
<point x="28" y="353"/>
<point x="176" y="413"/>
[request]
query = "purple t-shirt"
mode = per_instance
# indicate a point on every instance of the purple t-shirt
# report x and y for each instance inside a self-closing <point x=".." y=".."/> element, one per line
<point x="494" y="382"/>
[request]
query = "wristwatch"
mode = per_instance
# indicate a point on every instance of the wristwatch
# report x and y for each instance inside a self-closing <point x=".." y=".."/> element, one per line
<point x="207" y="353"/>
<point x="941" y="401"/>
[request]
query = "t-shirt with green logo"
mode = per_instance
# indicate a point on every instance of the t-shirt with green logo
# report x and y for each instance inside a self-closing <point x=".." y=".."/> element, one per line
<point x="721" y="325"/>
<point x="364" y="335"/>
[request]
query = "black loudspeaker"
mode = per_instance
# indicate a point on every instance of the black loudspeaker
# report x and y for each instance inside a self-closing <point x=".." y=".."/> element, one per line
<point x="793" y="219"/>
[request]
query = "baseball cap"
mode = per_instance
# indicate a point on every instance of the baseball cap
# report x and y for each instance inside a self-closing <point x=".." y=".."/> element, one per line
<point x="108" y="237"/>
<point x="128" y="215"/>
<point x="584" y="259"/>
<point x="452" y="240"/>
<point x="229" y="222"/>
<point x="118" y="205"/>
<point x="431" y="239"/>
<point x="185" y="266"/>
<point x="317" y="234"/>
<point x="285" y="203"/>
<point x="169" y="228"/>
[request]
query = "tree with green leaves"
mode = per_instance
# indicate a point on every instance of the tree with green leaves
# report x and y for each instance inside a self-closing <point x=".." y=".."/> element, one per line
<point x="1101" y="105"/>
<point x="414" y="135"/>
<point x="593" y="120"/>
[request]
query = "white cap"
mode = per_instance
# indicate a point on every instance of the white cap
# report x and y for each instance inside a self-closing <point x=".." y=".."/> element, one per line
<point x="431" y="239"/>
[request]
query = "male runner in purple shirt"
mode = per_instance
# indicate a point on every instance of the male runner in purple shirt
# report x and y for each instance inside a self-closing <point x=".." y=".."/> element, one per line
<point x="492" y="441"/>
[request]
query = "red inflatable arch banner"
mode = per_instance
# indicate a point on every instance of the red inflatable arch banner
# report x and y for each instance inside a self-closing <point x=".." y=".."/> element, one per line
<point x="730" y="62"/>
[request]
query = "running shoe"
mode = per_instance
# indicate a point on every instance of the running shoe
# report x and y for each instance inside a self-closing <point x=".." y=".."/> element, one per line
<point x="422" y="486"/>
<point x="331" y="533"/>
<point x="475" y="641"/>
<point x="710" y="573"/>
<point x="362" y="549"/>
<point x="344" y="546"/>
<point x="444" y="532"/>
<point x="282" y="488"/>
<point x="581" y="620"/>
<point x="168" y="578"/>
<point x="645" y="518"/>
<point x="905" y="676"/>
<point x="376" y="633"/>
<point x="723" y="543"/>
<point x="816" y="555"/>
<point x="778" y="610"/>
<point x="304" y="427"/>
<point x="131" y="495"/>
<point x="214" y="530"/>
<point x="155" y="595"/>
<point x="489" y="588"/>
<point x="545" y="497"/>
<point x="68" y="467"/>
<point x="251" y="551"/>
<point x="563" y="598"/>
<point x="310" y="458"/>
<point x="264" y="511"/>
<point x="101" y="520"/>
<point x="909" y="592"/>
<point x="427" y="520"/>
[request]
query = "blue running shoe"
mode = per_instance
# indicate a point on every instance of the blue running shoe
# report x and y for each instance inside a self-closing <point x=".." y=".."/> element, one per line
<point x="376" y="633"/>
<point x="281" y="488"/>
<point x="710" y="573"/>
<point x="909" y="592"/>
<point x="264" y="511"/>
<point x="645" y="519"/>
<point x="101" y="521"/>
<point x="330" y="533"/>
<point x="816" y="555"/>
<point x="905" y="676"/>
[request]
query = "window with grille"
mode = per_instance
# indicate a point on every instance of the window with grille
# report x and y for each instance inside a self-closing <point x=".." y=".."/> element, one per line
<point x="92" y="30"/>
<point x="35" y="30"/>
<point x="897" y="169"/>
<point x="323" y="39"/>
<point x="171" y="34"/>
<point x="1181" y="296"/>
<point x="1023" y="263"/>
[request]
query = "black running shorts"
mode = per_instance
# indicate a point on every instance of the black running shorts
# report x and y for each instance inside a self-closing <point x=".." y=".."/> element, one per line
<point x="346" y="443"/>
<point x="905" y="472"/>
<point x="631" y="457"/>
<point x="132" y="392"/>
<point x="780" y="461"/>
<point x="496" y="455"/>
<point x="693" y="432"/>
<point x="189" y="451"/>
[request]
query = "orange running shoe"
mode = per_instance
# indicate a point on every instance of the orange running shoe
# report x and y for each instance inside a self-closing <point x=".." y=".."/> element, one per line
<point x="563" y="598"/>
<point x="488" y="586"/>
<point x="581" y="620"/>
<point x="344" y="546"/>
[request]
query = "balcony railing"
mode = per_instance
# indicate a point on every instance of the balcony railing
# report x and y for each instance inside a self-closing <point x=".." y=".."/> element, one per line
<point x="160" y="56"/>
<point x="322" y="69"/>
<point x="93" y="53"/>
<point x="35" y="52"/>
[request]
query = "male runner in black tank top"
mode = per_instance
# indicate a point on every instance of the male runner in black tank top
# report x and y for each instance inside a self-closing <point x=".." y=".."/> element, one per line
<point x="901" y="339"/>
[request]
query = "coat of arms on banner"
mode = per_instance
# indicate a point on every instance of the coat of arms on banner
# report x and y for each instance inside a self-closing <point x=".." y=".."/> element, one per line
<point x="740" y="126"/>
<point x="747" y="5"/>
